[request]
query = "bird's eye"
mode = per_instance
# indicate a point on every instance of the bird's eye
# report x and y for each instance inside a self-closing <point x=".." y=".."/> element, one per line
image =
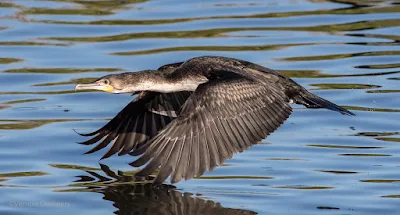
<point x="106" y="81"/>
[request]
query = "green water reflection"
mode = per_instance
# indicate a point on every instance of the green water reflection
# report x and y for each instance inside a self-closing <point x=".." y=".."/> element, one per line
<point x="342" y="56"/>
<point x="29" y="124"/>
<point x="73" y="166"/>
<point x="27" y="43"/>
<point x="60" y="70"/>
<point x="343" y="146"/>
<point x="9" y="60"/>
<point x="22" y="174"/>
<point x="344" y="86"/>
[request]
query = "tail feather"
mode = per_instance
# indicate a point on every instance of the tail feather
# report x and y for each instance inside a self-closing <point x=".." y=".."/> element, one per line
<point x="313" y="101"/>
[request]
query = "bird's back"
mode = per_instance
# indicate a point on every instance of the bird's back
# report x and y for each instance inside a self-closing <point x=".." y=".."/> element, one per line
<point x="213" y="67"/>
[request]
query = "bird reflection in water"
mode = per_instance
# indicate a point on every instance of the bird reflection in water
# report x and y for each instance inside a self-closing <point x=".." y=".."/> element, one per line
<point x="130" y="197"/>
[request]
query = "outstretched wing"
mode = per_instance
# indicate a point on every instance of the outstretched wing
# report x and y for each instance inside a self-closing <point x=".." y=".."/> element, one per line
<point x="139" y="121"/>
<point x="222" y="117"/>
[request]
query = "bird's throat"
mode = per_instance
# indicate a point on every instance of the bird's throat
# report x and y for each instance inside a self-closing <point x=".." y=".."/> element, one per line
<point x="169" y="86"/>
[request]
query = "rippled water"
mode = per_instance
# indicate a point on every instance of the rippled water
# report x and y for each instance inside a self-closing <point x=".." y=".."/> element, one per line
<point x="318" y="162"/>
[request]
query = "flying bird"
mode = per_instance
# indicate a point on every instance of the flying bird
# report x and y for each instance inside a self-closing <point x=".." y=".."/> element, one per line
<point x="189" y="117"/>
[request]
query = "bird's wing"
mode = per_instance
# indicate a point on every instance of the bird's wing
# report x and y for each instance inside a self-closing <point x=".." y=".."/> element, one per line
<point x="139" y="121"/>
<point x="222" y="117"/>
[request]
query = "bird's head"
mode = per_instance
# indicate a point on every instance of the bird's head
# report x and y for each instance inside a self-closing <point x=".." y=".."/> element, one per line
<point x="117" y="83"/>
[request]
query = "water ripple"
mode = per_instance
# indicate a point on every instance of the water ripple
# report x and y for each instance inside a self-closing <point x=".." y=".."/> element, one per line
<point x="346" y="51"/>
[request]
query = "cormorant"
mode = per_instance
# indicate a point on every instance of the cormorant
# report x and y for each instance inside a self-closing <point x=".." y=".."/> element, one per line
<point x="189" y="117"/>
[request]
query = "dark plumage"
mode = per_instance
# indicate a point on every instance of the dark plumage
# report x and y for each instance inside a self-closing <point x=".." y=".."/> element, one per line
<point x="190" y="117"/>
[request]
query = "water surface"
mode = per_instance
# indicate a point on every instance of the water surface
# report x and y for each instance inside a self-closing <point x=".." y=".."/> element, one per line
<point x="318" y="162"/>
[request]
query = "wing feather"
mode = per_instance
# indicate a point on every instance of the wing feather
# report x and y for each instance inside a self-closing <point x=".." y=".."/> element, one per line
<point x="118" y="141"/>
<point x="222" y="117"/>
<point x="205" y="156"/>
<point x="178" y="166"/>
<point x="228" y="136"/>
<point x="194" y="162"/>
<point x="213" y="152"/>
<point x="168" y="161"/>
<point x="130" y="138"/>
<point x="138" y="122"/>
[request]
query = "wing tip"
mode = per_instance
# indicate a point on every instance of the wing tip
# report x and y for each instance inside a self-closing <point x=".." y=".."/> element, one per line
<point x="88" y="152"/>
<point x="86" y="134"/>
<point x="105" y="156"/>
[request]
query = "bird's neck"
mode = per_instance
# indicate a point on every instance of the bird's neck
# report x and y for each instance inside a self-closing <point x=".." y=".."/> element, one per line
<point x="167" y="86"/>
<point x="165" y="83"/>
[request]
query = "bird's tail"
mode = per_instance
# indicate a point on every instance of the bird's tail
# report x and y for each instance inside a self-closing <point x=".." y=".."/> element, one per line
<point x="313" y="101"/>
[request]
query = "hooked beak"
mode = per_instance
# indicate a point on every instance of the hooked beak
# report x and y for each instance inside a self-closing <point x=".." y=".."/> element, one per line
<point x="95" y="86"/>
